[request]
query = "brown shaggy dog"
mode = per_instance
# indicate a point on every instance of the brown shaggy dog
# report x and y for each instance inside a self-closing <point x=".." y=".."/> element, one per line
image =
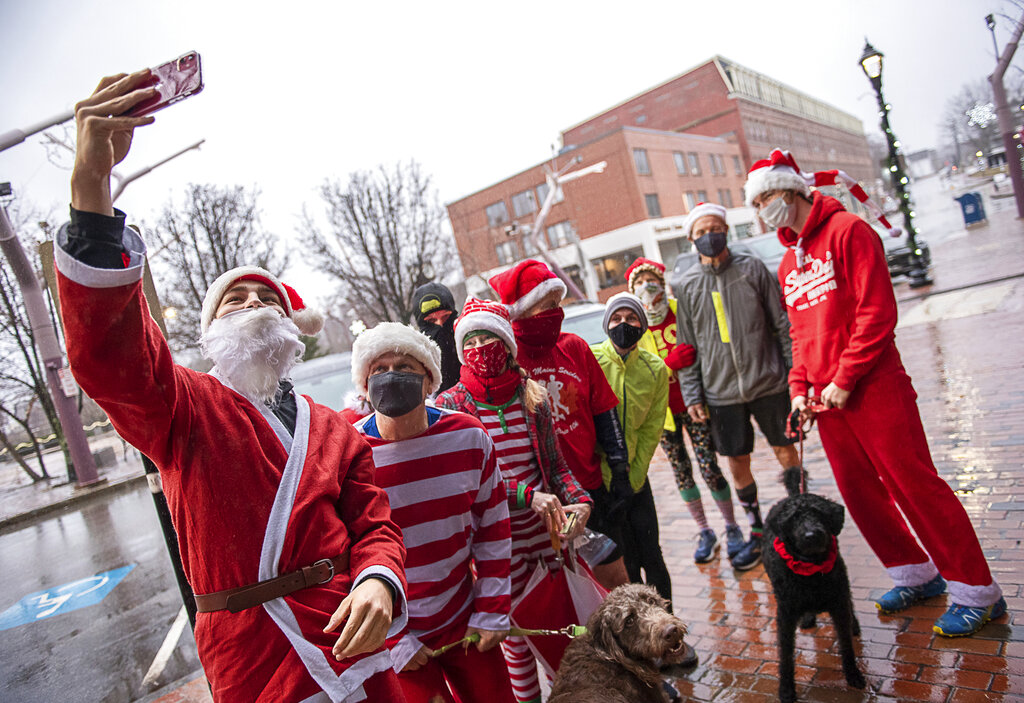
<point x="617" y="660"/>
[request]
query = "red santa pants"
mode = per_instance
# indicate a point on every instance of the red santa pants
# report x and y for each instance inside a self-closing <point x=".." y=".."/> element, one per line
<point x="879" y="454"/>
<point x="459" y="675"/>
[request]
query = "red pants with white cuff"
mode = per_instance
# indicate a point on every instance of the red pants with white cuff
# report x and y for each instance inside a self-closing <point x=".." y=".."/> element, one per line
<point x="459" y="675"/>
<point x="879" y="455"/>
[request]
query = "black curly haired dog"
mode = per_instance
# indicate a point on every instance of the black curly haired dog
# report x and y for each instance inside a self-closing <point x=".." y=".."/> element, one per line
<point x="617" y="661"/>
<point x="801" y="556"/>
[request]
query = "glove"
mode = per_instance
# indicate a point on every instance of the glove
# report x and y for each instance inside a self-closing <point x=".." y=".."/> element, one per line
<point x="621" y="490"/>
<point x="680" y="357"/>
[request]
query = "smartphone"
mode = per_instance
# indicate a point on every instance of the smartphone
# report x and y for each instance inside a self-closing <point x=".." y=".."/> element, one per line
<point x="176" y="80"/>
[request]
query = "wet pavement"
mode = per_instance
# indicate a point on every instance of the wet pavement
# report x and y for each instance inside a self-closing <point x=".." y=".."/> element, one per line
<point x="961" y="347"/>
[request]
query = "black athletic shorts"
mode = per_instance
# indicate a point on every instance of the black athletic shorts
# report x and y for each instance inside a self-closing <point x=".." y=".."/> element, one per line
<point x="733" y="433"/>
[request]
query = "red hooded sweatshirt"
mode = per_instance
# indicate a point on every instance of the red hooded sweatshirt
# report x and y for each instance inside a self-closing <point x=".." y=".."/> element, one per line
<point x="841" y="305"/>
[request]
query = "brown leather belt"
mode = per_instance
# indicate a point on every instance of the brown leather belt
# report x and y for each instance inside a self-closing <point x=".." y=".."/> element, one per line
<point x="238" y="599"/>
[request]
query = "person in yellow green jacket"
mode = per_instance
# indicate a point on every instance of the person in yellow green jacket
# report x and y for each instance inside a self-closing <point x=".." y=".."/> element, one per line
<point x="640" y="380"/>
<point x="646" y="279"/>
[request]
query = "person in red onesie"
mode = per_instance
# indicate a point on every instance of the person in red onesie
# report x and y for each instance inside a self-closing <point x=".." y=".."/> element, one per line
<point x="283" y="535"/>
<point x="582" y="402"/>
<point x="842" y="310"/>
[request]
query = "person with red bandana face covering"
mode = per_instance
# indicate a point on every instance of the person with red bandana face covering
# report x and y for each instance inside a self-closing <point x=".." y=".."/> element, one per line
<point x="539" y="486"/>
<point x="582" y="402"/>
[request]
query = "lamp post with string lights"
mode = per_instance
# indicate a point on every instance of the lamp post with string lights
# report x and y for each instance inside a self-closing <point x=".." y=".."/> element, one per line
<point x="871" y="62"/>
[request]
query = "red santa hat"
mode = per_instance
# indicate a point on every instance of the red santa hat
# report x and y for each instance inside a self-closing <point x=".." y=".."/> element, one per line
<point x="701" y="210"/>
<point x="309" y="321"/>
<point x="643" y="265"/>
<point x="488" y="316"/>
<point x="525" y="285"/>
<point x="394" y="338"/>
<point x="780" y="172"/>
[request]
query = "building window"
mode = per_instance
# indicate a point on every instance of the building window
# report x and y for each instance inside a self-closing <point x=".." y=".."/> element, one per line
<point x="508" y="252"/>
<point x="559" y="234"/>
<point x="671" y="249"/>
<point x="694" y="164"/>
<point x="653" y="206"/>
<point x="542" y="194"/>
<point x="737" y="166"/>
<point x="680" y="160"/>
<point x="497" y="214"/>
<point x="691" y="200"/>
<point x="725" y="197"/>
<point x="744" y="230"/>
<point x="721" y="164"/>
<point x="524" y="203"/>
<point x="611" y="270"/>
<point x="643" y="167"/>
<point x="529" y="250"/>
<point x="702" y="196"/>
<point x="713" y="164"/>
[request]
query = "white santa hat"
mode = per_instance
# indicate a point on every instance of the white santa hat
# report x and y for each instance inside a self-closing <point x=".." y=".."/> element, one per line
<point x="309" y="321"/>
<point x="700" y="211"/>
<point x="780" y="172"/>
<point x="394" y="338"/>
<point x="525" y="285"/>
<point x="488" y="316"/>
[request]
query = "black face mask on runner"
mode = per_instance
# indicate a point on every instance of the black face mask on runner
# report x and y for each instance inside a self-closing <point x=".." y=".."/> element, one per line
<point x="395" y="393"/>
<point x="625" y="335"/>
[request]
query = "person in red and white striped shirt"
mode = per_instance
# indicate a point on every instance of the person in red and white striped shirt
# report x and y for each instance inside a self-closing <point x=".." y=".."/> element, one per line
<point x="439" y="469"/>
<point x="538" y="483"/>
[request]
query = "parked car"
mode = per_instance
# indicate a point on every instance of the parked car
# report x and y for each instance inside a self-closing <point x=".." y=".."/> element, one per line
<point x="326" y="379"/>
<point x="585" y="319"/>
<point x="899" y="256"/>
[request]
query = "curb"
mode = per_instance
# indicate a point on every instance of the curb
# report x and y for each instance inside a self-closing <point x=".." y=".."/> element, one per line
<point x="84" y="494"/>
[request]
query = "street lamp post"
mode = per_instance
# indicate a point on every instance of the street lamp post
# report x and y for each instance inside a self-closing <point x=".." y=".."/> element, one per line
<point x="1007" y="126"/>
<point x="871" y="62"/>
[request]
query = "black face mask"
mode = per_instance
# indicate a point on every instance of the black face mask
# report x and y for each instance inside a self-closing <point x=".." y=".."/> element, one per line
<point x="625" y="335"/>
<point x="712" y="243"/>
<point x="395" y="393"/>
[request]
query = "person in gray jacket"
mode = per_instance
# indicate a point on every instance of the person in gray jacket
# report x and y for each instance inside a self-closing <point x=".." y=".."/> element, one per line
<point x="730" y="309"/>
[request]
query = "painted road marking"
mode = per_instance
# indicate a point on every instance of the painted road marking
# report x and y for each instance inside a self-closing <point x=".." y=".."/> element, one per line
<point x="62" y="599"/>
<point x="166" y="649"/>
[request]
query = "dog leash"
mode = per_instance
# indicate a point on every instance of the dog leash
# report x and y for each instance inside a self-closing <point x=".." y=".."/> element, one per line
<point x="796" y="428"/>
<point x="570" y="631"/>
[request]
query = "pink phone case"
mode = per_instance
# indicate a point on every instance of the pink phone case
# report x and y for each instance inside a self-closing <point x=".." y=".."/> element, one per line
<point x="176" y="80"/>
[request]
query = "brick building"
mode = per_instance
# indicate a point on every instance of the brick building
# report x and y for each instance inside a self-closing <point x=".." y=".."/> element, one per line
<point x="688" y="140"/>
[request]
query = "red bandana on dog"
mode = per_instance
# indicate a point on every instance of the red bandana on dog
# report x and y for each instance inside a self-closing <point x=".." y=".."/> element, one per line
<point x="808" y="568"/>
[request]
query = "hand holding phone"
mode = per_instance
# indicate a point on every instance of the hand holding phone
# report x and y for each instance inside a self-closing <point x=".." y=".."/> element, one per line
<point x="175" y="80"/>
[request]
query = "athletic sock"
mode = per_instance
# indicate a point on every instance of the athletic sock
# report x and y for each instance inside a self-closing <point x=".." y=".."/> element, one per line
<point x="696" y="508"/>
<point x="723" y="499"/>
<point x="747" y="497"/>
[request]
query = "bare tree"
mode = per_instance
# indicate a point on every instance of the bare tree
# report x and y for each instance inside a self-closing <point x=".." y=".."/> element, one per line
<point x="969" y="120"/>
<point x="215" y="230"/>
<point x="383" y="238"/>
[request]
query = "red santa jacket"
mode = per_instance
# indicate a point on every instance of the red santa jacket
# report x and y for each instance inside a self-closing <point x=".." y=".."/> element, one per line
<point x="249" y="501"/>
<point x="841" y="305"/>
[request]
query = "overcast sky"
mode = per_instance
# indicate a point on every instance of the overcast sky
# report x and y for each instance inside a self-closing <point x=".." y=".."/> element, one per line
<point x="297" y="92"/>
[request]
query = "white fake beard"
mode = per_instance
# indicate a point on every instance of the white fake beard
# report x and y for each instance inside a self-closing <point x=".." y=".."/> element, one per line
<point x="254" y="349"/>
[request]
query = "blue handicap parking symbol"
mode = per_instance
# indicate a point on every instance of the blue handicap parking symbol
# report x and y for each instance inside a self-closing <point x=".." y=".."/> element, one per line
<point x="62" y="599"/>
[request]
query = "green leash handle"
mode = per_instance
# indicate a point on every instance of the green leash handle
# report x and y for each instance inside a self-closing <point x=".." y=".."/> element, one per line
<point x="570" y="631"/>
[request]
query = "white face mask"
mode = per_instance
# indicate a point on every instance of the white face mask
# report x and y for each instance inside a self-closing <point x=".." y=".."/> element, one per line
<point x="778" y="213"/>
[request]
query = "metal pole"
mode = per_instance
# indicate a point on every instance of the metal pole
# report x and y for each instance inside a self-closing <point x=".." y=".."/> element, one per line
<point x="50" y="352"/>
<point x="1006" y="126"/>
<point x="17" y="136"/>
<point x="123" y="183"/>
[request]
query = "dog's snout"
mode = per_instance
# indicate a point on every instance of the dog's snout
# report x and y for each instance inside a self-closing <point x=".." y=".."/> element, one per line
<point x="672" y="635"/>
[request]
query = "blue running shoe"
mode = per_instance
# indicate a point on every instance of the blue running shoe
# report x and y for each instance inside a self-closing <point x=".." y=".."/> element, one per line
<point x="734" y="541"/>
<point x="749" y="556"/>
<point x="902" y="597"/>
<point x="961" y="620"/>
<point x="707" y="547"/>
